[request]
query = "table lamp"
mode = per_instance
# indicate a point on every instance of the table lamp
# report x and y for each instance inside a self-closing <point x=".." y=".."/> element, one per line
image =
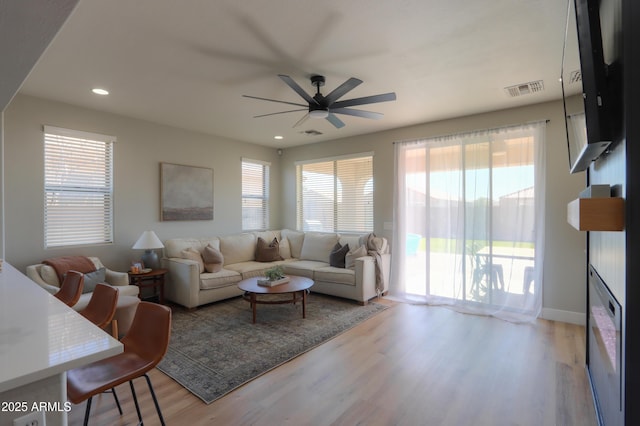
<point x="148" y="242"/>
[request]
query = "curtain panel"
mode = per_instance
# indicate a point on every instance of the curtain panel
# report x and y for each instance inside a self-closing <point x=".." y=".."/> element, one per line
<point x="469" y="221"/>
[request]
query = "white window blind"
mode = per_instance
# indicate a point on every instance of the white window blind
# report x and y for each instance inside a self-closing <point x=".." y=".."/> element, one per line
<point x="335" y="195"/>
<point x="78" y="188"/>
<point x="255" y="195"/>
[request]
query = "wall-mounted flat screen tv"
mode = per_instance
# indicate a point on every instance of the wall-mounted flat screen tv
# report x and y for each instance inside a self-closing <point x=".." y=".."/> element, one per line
<point x="584" y="29"/>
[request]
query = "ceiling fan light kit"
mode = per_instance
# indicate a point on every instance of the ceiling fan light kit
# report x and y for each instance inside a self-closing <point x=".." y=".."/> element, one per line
<point x="319" y="113"/>
<point x="320" y="106"/>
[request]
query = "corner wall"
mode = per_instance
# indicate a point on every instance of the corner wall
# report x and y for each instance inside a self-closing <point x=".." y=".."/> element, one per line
<point x="140" y="148"/>
<point x="564" y="292"/>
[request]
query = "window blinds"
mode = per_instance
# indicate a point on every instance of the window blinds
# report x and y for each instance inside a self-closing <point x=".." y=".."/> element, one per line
<point x="78" y="188"/>
<point x="335" y="195"/>
<point x="255" y="195"/>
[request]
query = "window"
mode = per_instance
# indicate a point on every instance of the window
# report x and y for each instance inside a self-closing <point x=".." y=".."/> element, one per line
<point x="336" y="195"/>
<point x="255" y="195"/>
<point x="78" y="188"/>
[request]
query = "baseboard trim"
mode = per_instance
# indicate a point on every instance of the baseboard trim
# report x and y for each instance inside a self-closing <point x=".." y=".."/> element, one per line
<point x="578" y="318"/>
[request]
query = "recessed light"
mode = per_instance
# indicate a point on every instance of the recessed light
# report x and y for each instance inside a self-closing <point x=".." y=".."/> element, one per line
<point x="99" y="91"/>
<point x="278" y="137"/>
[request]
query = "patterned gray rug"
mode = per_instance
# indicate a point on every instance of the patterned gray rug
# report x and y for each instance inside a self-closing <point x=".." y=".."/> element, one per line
<point x="216" y="348"/>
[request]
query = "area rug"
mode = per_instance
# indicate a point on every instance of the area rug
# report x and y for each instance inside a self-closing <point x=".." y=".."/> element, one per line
<point x="216" y="348"/>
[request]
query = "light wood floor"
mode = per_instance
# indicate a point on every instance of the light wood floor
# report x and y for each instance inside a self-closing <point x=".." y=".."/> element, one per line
<point x="410" y="365"/>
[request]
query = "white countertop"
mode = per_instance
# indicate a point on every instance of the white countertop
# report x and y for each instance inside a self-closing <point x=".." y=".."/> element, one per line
<point x="41" y="336"/>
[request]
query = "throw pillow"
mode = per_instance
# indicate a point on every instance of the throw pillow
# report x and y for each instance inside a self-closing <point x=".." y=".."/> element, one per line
<point x="267" y="252"/>
<point x="212" y="259"/>
<point x="374" y="243"/>
<point x="49" y="275"/>
<point x="193" y="254"/>
<point x="350" y="258"/>
<point x="338" y="255"/>
<point x="93" y="278"/>
<point x="285" y="249"/>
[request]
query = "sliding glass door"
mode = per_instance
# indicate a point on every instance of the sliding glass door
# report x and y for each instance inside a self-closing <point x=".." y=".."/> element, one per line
<point x="466" y="220"/>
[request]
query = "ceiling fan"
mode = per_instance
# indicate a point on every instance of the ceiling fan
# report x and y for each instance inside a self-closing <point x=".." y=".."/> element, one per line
<point x="320" y="106"/>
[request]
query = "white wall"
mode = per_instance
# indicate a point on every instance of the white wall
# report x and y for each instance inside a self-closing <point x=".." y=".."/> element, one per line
<point x="140" y="148"/>
<point x="143" y="145"/>
<point x="564" y="287"/>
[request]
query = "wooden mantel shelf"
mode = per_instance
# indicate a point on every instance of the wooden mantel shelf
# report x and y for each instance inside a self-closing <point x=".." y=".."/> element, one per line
<point x="596" y="214"/>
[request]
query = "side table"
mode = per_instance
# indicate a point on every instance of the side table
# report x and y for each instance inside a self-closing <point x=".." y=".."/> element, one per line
<point x="153" y="279"/>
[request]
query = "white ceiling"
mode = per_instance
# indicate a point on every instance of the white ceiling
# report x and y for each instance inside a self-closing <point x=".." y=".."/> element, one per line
<point x="187" y="63"/>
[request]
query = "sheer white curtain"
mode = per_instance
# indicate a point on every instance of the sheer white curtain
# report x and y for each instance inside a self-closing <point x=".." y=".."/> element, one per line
<point x="469" y="221"/>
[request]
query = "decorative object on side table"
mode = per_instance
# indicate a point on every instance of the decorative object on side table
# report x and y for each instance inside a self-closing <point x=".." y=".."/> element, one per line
<point x="274" y="276"/>
<point x="148" y="242"/>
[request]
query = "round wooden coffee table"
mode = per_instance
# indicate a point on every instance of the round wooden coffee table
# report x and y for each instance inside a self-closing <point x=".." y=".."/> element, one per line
<point x="297" y="286"/>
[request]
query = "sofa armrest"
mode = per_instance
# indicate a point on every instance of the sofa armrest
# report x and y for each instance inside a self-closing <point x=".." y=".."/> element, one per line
<point x="365" y="278"/>
<point x="116" y="278"/>
<point x="366" y="275"/>
<point x="183" y="284"/>
<point x="33" y="272"/>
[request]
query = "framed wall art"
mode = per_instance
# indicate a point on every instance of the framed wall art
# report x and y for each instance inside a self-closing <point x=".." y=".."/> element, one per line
<point x="186" y="192"/>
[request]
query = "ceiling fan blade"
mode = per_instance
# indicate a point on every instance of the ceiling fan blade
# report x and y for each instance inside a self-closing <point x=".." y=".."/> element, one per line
<point x="276" y="113"/>
<point x="302" y="120"/>
<point x="335" y="121"/>
<point x="342" y="90"/>
<point x="274" y="100"/>
<point x="366" y="100"/>
<point x="299" y="90"/>
<point x="358" y="113"/>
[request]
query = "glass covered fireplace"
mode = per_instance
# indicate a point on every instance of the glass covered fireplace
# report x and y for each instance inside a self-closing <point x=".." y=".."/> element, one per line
<point x="604" y="359"/>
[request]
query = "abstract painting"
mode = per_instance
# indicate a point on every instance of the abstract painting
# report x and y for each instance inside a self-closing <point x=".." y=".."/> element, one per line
<point x="186" y="192"/>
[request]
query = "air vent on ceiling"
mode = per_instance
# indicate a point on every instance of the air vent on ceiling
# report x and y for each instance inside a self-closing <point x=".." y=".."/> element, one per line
<point x="575" y="77"/>
<point x="311" y="132"/>
<point x="525" y="88"/>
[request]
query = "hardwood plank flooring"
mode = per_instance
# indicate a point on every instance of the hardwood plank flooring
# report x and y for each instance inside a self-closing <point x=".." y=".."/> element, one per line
<point x="410" y="365"/>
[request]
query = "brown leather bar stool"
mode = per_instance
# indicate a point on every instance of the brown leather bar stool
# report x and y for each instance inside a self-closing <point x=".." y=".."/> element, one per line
<point x="71" y="288"/>
<point x="102" y="306"/>
<point x="144" y="346"/>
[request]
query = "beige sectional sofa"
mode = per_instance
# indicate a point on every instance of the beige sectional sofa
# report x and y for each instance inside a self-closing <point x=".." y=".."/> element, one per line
<point x="304" y="254"/>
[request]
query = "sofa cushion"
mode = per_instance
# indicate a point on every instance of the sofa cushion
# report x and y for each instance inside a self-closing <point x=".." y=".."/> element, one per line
<point x="212" y="258"/>
<point x="173" y="247"/>
<point x="267" y="251"/>
<point x="303" y="268"/>
<point x="193" y="254"/>
<point x="337" y="256"/>
<point x="296" y="238"/>
<point x="238" y="248"/>
<point x="354" y="240"/>
<point x="268" y="235"/>
<point x="222" y="278"/>
<point x="93" y="278"/>
<point x="317" y="246"/>
<point x="252" y="268"/>
<point x="331" y="274"/>
<point x="350" y="258"/>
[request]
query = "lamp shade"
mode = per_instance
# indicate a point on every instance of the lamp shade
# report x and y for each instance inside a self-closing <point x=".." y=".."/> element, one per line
<point x="148" y="241"/>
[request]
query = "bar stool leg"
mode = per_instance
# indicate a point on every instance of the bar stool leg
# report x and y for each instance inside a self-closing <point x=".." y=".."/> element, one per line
<point x="155" y="400"/>
<point x="87" y="412"/>
<point x="135" y="401"/>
